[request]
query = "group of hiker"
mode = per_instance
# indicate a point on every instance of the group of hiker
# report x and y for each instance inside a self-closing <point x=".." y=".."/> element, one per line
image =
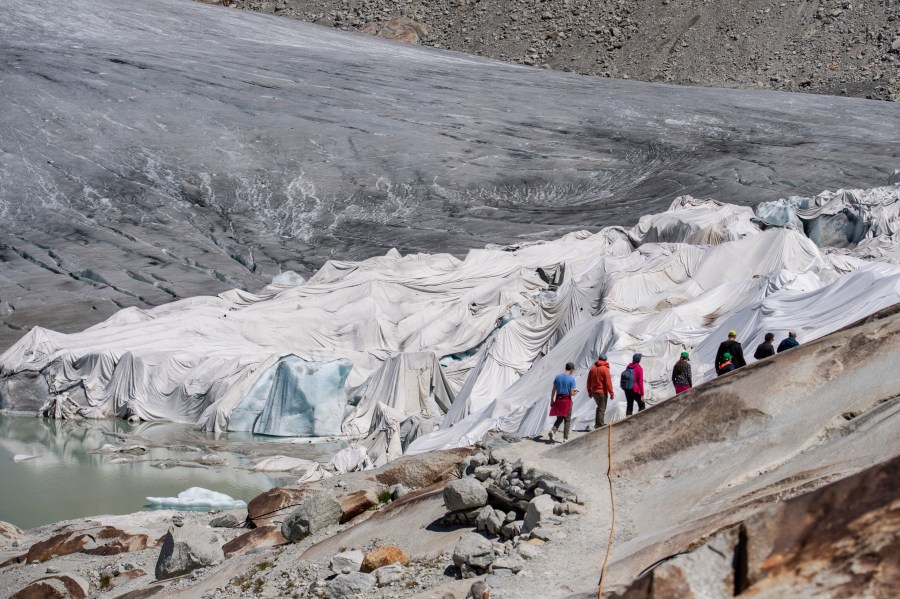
<point x="729" y="357"/>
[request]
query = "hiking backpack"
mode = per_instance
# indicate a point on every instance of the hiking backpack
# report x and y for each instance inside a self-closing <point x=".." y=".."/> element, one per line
<point x="626" y="381"/>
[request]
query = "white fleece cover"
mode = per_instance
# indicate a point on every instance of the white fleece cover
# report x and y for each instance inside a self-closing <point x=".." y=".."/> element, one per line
<point x="402" y="336"/>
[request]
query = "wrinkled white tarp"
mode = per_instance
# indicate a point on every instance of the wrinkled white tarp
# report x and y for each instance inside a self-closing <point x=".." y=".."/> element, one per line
<point x="379" y="347"/>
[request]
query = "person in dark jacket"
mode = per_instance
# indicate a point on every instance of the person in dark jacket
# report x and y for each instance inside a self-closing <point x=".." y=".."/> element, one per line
<point x="765" y="349"/>
<point x="733" y="347"/>
<point x="636" y="393"/>
<point x="788" y="342"/>
<point x="726" y="365"/>
<point x="681" y="374"/>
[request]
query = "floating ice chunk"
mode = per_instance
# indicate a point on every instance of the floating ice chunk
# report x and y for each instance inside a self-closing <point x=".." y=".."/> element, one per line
<point x="198" y="497"/>
<point x="21" y="457"/>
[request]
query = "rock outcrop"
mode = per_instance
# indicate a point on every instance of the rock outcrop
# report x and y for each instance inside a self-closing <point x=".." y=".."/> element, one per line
<point x="9" y="533"/>
<point x="103" y="540"/>
<point x="277" y="503"/>
<point x="268" y="535"/>
<point x="356" y="503"/>
<point x="838" y="541"/>
<point x="59" y="586"/>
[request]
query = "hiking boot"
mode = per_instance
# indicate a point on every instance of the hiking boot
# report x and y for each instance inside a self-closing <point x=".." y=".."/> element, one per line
<point x="550" y="435"/>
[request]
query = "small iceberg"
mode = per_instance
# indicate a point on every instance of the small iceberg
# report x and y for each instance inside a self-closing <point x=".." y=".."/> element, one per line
<point x="198" y="497"/>
<point x="21" y="457"/>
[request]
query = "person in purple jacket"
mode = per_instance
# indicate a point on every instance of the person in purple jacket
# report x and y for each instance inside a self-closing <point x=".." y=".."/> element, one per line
<point x="632" y="383"/>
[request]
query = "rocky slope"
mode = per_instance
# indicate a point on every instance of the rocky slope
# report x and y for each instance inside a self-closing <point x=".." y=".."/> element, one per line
<point x="818" y="46"/>
<point x="776" y="480"/>
<point x="219" y="148"/>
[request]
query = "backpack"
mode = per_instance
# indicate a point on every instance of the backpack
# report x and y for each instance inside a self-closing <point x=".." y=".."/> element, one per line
<point x="626" y="381"/>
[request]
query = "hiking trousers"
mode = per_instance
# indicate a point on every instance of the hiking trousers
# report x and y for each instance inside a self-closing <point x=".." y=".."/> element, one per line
<point x="560" y="420"/>
<point x="600" y="399"/>
<point x="633" y="397"/>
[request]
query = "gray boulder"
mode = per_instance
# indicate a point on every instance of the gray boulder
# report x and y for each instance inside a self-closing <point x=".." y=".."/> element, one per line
<point x="483" y="473"/>
<point x="558" y="489"/>
<point x="512" y="529"/>
<point x="479" y="459"/>
<point x="530" y="471"/>
<point x="539" y="509"/>
<point x="225" y="521"/>
<point x="186" y="549"/>
<point x="391" y="573"/>
<point x="397" y="491"/>
<point x="546" y="534"/>
<point x="490" y="520"/>
<point x="528" y="551"/>
<point x="464" y="494"/>
<point x="313" y="514"/>
<point x="513" y="564"/>
<point x="474" y="551"/>
<point x="347" y="562"/>
<point x="347" y="586"/>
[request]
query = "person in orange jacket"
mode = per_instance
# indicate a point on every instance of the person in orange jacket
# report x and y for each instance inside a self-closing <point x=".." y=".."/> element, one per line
<point x="600" y="387"/>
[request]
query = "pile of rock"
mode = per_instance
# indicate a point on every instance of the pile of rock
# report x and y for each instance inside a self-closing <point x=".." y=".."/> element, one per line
<point x="515" y="501"/>
<point x="356" y="572"/>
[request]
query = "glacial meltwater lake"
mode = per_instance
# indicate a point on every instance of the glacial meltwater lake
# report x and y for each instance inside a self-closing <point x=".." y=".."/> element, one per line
<point x="68" y="478"/>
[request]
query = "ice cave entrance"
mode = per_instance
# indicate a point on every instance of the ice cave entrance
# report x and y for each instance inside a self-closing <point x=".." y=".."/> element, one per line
<point x="295" y="398"/>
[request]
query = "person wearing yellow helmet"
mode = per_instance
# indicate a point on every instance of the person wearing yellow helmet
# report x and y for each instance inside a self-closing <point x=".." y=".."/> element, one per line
<point x="731" y="346"/>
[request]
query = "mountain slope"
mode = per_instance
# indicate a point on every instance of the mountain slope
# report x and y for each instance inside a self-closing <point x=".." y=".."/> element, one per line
<point x="825" y="46"/>
<point x="150" y="152"/>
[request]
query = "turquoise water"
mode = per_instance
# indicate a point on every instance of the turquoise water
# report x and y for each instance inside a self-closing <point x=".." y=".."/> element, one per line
<point x="66" y="480"/>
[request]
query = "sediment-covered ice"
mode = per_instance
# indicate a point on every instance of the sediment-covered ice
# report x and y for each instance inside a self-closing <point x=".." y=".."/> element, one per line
<point x="418" y="352"/>
<point x="282" y="463"/>
<point x="198" y="497"/>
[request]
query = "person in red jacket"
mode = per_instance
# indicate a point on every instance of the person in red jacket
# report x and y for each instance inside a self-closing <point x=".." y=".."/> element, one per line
<point x="600" y="387"/>
<point x="635" y="394"/>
